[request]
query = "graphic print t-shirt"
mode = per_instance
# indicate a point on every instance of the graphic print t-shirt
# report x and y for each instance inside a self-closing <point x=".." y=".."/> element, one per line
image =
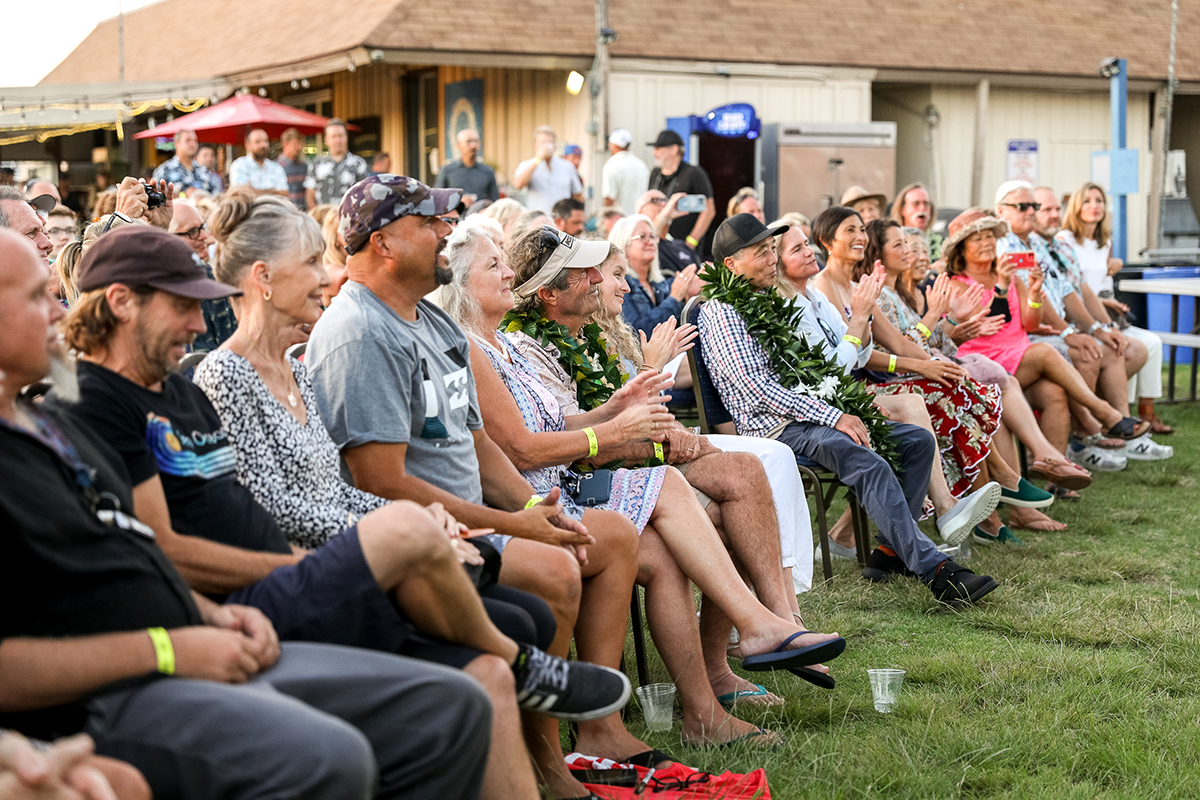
<point x="381" y="378"/>
<point x="177" y="435"/>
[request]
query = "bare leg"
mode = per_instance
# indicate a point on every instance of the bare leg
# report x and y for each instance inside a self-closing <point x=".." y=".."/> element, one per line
<point x="1113" y="383"/>
<point x="1042" y="361"/>
<point x="509" y="772"/>
<point x="1055" y="422"/>
<point x="1018" y="417"/>
<point x="697" y="549"/>
<point x="671" y="615"/>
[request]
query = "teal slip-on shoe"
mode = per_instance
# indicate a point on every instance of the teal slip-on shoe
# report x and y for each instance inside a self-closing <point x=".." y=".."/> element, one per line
<point x="1005" y="536"/>
<point x="1026" y="496"/>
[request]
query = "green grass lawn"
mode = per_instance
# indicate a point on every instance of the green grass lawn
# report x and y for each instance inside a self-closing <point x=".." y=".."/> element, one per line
<point x="1078" y="678"/>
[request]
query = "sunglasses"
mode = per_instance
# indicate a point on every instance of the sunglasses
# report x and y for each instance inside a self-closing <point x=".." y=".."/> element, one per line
<point x="1023" y="207"/>
<point x="113" y="217"/>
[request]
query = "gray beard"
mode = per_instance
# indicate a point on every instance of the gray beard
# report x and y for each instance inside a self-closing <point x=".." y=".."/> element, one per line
<point x="62" y="375"/>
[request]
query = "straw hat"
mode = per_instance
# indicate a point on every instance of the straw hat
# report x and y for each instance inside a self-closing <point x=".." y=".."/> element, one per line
<point x="856" y="193"/>
<point x="973" y="220"/>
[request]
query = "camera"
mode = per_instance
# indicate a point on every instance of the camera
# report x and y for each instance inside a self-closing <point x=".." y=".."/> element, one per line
<point x="154" y="198"/>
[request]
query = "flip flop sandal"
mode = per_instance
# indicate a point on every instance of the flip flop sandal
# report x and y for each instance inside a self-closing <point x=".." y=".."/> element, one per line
<point x="730" y="699"/>
<point x="647" y="758"/>
<point x="756" y="733"/>
<point x="1129" y="428"/>
<point x="1157" y="426"/>
<point x="815" y="677"/>
<point x="782" y="658"/>
<point x="1067" y="476"/>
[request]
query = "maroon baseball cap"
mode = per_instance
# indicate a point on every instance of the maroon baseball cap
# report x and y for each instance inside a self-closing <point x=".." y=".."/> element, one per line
<point x="141" y="254"/>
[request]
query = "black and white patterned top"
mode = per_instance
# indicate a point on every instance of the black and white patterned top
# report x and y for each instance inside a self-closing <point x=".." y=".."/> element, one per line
<point x="291" y="469"/>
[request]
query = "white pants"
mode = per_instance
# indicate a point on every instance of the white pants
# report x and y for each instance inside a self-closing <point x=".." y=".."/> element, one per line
<point x="795" y="527"/>
<point x="1147" y="382"/>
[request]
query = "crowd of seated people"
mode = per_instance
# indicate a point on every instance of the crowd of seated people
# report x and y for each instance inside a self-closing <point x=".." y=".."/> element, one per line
<point x="362" y="571"/>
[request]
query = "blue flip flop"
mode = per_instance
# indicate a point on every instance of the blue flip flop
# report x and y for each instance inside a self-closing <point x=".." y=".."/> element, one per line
<point x="727" y="700"/>
<point x="782" y="658"/>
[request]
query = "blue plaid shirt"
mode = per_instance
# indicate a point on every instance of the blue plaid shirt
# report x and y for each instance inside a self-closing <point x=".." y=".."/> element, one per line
<point x="751" y="391"/>
<point x="197" y="177"/>
<point x="1055" y="285"/>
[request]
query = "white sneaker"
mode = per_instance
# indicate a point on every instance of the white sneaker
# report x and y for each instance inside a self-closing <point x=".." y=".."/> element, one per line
<point x="1144" y="448"/>
<point x="835" y="551"/>
<point x="1096" y="459"/>
<point x="956" y="524"/>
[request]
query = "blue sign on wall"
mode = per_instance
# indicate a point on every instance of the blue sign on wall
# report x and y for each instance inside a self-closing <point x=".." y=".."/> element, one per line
<point x="732" y="121"/>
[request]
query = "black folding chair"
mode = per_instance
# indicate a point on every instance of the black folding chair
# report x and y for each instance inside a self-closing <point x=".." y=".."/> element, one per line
<point x="819" y="483"/>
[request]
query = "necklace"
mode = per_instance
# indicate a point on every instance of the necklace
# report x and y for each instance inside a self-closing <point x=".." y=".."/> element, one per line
<point x="802" y="367"/>
<point x="596" y="372"/>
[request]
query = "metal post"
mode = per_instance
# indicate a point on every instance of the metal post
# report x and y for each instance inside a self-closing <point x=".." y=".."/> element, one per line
<point x="1168" y="109"/>
<point x="982" y="91"/>
<point x="1118" y="99"/>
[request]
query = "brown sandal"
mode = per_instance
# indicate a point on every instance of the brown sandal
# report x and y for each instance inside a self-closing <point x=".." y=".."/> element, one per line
<point x="1159" y="427"/>
<point x="1066" y="475"/>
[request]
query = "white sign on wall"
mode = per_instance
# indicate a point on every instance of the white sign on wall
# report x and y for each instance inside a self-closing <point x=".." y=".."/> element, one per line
<point x="1023" y="160"/>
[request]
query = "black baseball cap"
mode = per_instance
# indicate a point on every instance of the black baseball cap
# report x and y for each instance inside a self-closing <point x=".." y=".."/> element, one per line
<point x="740" y="230"/>
<point x="666" y="139"/>
<point x="141" y="254"/>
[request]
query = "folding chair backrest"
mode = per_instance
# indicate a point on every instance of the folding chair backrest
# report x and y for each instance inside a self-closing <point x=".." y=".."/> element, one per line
<point x="297" y="350"/>
<point x="708" y="401"/>
<point x="191" y="360"/>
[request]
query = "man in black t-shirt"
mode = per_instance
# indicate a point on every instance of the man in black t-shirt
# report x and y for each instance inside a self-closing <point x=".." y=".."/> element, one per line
<point x="95" y="619"/>
<point x="672" y="175"/>
<point x="183" y="468"/>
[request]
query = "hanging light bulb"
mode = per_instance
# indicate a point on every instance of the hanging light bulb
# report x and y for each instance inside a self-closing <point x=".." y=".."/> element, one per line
<point x="351" y="66"/>
<point x="304" y="84"/>
<point x="295" y="83"/>
<point x="262" y="91"/>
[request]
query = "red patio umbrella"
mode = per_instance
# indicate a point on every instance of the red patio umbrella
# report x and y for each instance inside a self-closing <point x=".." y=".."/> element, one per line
<point x="229" y="121"/>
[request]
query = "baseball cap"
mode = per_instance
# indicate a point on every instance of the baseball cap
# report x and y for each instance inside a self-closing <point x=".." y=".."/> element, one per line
<point x="620" y="137"/>
<point x="666" y="139"/>
<point x="141" y="254"/>
<point x="44" y="203"/>
<point x="740" y="230"/>
<point x="379" y="200"/>
<point x="572" y="150"/>
<point x="569" y="252"/>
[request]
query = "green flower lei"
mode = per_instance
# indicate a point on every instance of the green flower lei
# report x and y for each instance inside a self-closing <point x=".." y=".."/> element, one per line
<point x="592" y="386"/>
<point x="773" y="321"/>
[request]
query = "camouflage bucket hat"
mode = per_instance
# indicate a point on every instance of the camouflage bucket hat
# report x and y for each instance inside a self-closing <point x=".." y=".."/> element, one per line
<point x="380" y="200"/>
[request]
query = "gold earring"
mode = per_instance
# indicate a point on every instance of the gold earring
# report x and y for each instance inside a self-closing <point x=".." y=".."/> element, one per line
<point x="267" y="295"/>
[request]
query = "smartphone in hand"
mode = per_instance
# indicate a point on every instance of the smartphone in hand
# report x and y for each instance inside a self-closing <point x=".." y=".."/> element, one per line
<point x="692" y="203"/>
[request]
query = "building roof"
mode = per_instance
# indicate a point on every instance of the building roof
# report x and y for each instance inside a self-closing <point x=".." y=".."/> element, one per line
<point x="1017" y="37"/>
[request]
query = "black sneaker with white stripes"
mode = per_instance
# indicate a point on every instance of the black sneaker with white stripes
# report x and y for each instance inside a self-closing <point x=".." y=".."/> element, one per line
<point x="570" y="690"/>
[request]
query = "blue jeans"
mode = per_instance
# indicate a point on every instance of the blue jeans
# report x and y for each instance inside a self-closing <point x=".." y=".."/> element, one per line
<point x="880" y="491"/>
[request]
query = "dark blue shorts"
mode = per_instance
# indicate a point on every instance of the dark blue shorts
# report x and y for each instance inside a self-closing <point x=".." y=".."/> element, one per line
<point x="330" y="597"/>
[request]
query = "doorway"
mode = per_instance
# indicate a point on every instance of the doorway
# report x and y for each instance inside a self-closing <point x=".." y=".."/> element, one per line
<point x="423" y="157"/>
<point x="729" y="163"/>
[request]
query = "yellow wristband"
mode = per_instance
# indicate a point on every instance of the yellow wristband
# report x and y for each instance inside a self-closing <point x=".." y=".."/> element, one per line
<point x="923" y="329"/>
<point x="692" y="240"/>
<point x="593" y="445"/>
<point x="892" y="364"/>
<point x="658" y="452"/>
<point x="163" y="650"/>
<point x="854" y="340"/>
<point x="533" y="501"/>
<point x="1034" y="305"/>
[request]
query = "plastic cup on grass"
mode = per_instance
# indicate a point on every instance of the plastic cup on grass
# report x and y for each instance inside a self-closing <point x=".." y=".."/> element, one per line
<point x="658" y="705"/>
<point x="885" y="688"/>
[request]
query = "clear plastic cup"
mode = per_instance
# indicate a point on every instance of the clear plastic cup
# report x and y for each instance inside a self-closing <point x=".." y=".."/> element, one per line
<point x="658" y="705"/>
<point x="885" y="688"/>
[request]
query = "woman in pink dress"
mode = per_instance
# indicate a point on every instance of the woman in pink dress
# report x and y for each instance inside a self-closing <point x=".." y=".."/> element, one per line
<point x="1047" y="378"/>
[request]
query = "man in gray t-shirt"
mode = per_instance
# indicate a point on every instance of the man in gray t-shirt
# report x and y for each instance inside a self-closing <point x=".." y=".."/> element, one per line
<point x="420" y="390"/>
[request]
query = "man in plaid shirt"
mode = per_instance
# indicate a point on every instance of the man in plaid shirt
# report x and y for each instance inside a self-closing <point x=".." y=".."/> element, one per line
<point x="761" y="406"/>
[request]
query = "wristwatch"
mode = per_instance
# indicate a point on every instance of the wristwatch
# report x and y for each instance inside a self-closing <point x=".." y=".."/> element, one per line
<point x="1067" y="331"/>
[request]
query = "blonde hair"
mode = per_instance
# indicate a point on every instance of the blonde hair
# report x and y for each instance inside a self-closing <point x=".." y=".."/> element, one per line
<point x="745" y="193"/>
<point x="622" y="339"/>
<point x="503" y="211"/>
<point x="622" y="234"/>
<point x="783" y="284"/>
<point x="335" y="249"/>
<point x="321" y="213"/>
<point x="93" y="232"/>
<point x="262" y="228"/>
<point x="1073" y="217"/>
<point x="65" y="264"/>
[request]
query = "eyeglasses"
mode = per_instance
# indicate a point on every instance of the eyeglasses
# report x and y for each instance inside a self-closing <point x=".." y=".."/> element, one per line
<point x="113" y="217"/>
<point x="451" y="221"/>
<point x="1024" y="207"/>
<point x="59" y="231"/>
<point x="644" y="237"/>
<point x="193" y="233"/>
<point x="657" y="201"/>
